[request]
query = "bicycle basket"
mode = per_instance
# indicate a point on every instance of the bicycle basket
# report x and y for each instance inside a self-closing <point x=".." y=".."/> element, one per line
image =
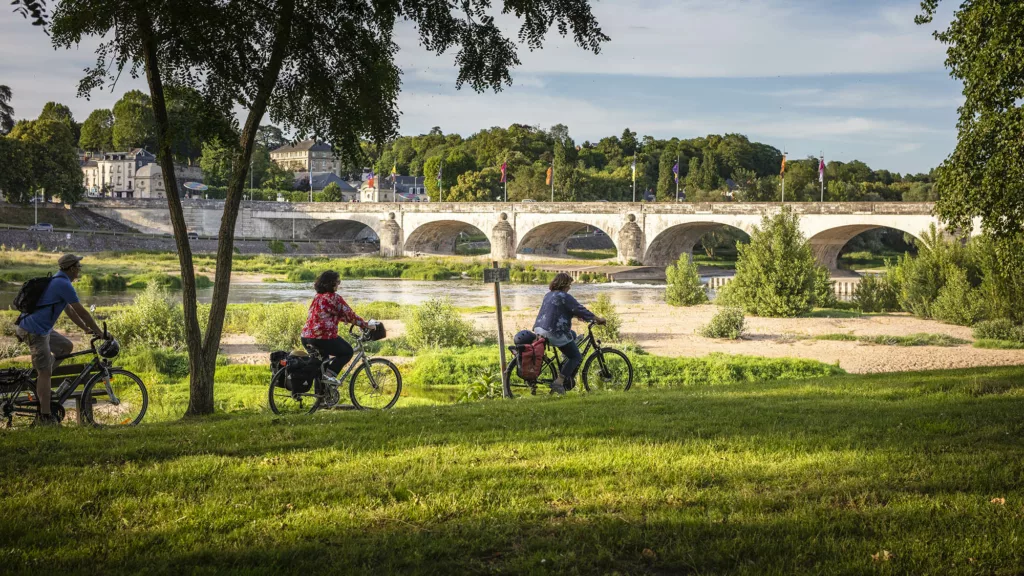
<point x="376" y="332"/>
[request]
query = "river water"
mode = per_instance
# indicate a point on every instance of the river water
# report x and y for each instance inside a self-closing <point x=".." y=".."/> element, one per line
<point x="462" y="293"/>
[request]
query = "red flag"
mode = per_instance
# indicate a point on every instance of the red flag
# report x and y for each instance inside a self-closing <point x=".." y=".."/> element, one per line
<point x="504" y="169"/>
<point x="547" y="181"/>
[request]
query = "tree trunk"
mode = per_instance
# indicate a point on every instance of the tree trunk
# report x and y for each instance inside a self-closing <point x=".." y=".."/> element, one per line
<point x="200" y="388"/>
<point x="202" y="351"/>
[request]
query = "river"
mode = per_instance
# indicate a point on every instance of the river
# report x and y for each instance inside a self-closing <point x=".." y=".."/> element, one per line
<point x="462" y="293"/>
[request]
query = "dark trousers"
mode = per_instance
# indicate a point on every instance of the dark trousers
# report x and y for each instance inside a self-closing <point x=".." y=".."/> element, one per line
<point x="571" y="359"/>
<point x="340" y="351"/>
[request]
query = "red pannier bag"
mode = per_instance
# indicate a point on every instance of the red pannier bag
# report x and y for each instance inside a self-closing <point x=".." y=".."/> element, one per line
<point x="531" y="359"/>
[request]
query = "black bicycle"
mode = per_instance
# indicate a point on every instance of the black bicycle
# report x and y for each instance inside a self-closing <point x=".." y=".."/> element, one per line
<point x="112" y="396"/>
<point x="376" y="384"/>
<point x="605" y="369"/>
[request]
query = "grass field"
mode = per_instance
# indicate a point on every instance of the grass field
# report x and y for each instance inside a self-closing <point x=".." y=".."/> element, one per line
<point x="917" y="473"/>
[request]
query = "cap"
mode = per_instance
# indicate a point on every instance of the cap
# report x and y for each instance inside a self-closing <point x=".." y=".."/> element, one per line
<point x="68" y="260"/>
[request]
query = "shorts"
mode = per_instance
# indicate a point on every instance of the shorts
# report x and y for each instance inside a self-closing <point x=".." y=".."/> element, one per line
<point x="44" y="347"/>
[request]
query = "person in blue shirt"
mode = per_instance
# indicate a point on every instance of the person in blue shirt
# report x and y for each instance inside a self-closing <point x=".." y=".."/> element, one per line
<point x="45" y="343"/>
<point x="554" y="324"/>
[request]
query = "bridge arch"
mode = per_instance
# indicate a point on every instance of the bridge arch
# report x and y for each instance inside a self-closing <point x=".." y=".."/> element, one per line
<point x="674" y="241"/>
<point x="551" y="239"/>
<point x="343" y="231"/>
<point x="441" y="236"/>
<point x="827" y="244"/>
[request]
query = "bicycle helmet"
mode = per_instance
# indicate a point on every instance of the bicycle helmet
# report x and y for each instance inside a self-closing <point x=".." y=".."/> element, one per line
<point x="524" y="337"/>
<point x="109" y="348"/>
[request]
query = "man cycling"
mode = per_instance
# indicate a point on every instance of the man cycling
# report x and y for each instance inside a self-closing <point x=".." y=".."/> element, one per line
<point x="554" y="324"/>
<point x="36" y="329"/>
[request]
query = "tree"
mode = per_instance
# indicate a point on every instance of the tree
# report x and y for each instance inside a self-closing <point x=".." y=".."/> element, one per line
<point x="52" y="154"/>
<point x="693" y="179"/>
<point x="331" y="193"/>
<point x="6" y="111"/>
<point x="216" y="162"/>
<point x="482" y="186"/>
<point x="278" y="178"/>
<point x="61" y="113"/>
<point x="683" y="285"/>
<point x="134" y="125"/>
<point x="984" y="176"/>
<point x="97" y="131"/>
<point x="270" y="137"/>
<point x="776" y="274"/>
<point x="194" y="121"/>
<point x="288" y="57"/>
<point x="16" y="173"/>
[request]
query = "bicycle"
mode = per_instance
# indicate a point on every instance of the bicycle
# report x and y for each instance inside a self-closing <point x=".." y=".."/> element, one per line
<point x="605" y="369"/>
<point x="376" y="384"/>
<point x="112" y="396"/>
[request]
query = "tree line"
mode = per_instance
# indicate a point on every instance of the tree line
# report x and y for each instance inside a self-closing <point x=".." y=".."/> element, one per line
<point x="710" y="168"/>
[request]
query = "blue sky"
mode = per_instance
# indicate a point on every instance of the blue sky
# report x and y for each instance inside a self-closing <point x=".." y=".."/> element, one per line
<point x="852" y="79"/>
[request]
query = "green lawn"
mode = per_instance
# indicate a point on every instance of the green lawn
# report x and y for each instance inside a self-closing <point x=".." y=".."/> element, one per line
<point x="922" y="471"/>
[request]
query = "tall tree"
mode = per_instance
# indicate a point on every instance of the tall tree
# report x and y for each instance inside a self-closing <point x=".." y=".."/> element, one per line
<point x="984" y="176"/>
<point x="270" y="137"/>
<point x="53" y="157"/>
<point x="97" y="132"/>
<point x="134" y="125"/>
<point x="216" y="162"/>
<point x="6" y="111"/>
<point x="323" y="67"/>
<point x="194" y="120"/>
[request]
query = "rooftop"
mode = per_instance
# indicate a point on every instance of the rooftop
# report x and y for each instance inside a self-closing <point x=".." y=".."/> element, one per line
<point x="303" y="146"/>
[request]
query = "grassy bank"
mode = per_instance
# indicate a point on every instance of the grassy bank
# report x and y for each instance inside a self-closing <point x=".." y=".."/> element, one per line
<point x="908" y="473"/>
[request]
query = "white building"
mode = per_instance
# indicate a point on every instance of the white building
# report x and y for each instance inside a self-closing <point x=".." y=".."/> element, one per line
<point x="307" y="156"/>
<point x="395" y="189"/>
<point x="114" y="172"/>
<point x="149" y="180"/>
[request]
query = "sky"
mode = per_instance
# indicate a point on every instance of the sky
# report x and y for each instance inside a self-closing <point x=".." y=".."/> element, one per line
<point x="850" y="79"/>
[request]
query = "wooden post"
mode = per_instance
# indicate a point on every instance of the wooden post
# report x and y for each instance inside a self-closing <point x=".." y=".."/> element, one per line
<point x="501" y="330"/>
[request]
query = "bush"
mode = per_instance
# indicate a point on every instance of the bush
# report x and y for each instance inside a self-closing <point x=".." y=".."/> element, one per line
<point x="276" y="246"/>
<point x="824" y="291"/>
<point x="999" y="329"/>
<point x="152" y="320"/>
<point x="875" y="294"/>
<point x="776" y="274"/>
<point x="12" y="349"/>
<point x="1001" y="264"/>
<point x="165" y="361"/>
<point x="301" y="275"/>
<point x="919" y="280"/>
<point x="604" y="308"/>
<point x="727" y="323"/>
<point x="683" y="285"/>
<point x="724" y="369"/>
<point x="436" y="324"/>
<point x="157" y="280"/>
<point x="378" y="310"/>
<point x="105" y="282"/>
<point x="958" y="302"/>
<point x="451" y="368"/>
<point x="203" y="282"/>
<point x="278" y="326"/>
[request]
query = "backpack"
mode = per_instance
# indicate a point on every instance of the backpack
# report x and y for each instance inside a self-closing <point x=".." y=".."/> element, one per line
<point x="29" y="295"/>
<point x="302" y="372"/>
<point x="531" y="360"/>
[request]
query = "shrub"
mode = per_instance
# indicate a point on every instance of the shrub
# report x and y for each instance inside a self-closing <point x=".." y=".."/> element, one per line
<point x="436" y="324"/>
<point x="276" y="246"/>
<point x="874" y="294"/>
<point x="998" y="329"/>
<point x="824" y="292"/>
<point x="157" y="280"/>
<point x="106" y="282"/>
<point x="727" y="323"/>
<point x="604" y="308"/>
<point x="1001" y="263"/>
<point x="12" y="349"/>
<point x="776" y="274"/>
<point x="958" y="302"/>
<point x="379" y="310"/>
<point x="451" y="368"/>
<point x="152" y="320"/>
<point x="165" y="361"/>
<point x="724" y="369"/>
<point x="203" y="282"/>
<point x="301" y="275"/>
<point x="919" y="280"/>
<point x="486" y="386"/>
<point x="683" y="285"/>
<point x="278" y="326"/>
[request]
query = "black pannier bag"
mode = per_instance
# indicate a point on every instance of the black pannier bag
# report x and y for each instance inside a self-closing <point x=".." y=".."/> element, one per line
<point x="376" y="331"/>
<point x="278" y="359"/>
<point x="302" y="371"/>
<point x="11" y="379"/>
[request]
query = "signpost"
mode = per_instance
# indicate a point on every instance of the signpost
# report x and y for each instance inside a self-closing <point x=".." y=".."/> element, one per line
<point x="496" y="276"/>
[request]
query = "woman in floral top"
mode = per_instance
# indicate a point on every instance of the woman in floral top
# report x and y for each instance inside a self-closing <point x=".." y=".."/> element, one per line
<point x="325" y="312"/>
<point x="554" y="324"/>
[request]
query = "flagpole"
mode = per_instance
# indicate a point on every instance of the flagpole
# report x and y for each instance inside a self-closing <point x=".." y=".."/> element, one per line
<point x="552" y="180"/>
<point x="677" y="177"/>
<point x="634" y="179"/>
<point x="822" y="174"/>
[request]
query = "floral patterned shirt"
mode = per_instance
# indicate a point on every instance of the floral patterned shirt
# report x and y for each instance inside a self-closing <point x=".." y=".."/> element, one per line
<point x="554" y="321"/>
<point x="325" y="312"/>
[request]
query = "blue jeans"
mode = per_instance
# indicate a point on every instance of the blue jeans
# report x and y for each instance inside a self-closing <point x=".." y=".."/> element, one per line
<point x="571" y="359"/>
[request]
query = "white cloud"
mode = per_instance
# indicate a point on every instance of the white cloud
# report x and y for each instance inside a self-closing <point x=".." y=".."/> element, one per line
<point x="870" y="97"/>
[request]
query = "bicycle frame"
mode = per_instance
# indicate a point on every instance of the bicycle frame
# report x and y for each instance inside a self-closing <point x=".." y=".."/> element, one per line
<point x="589" y="340"/>
<point x="27" y="407"/>
<point x="359" y="360"/>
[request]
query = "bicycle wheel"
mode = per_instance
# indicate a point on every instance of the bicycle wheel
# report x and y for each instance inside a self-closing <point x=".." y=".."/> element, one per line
<point x="376" y="385"/>
<point x="282" y="401"/>
<point x="120" y="401"/>
<point x="607" y="369"/>
<point x="515" y="386"/>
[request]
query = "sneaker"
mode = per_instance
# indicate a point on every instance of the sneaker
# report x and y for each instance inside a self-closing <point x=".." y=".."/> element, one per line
<point x="557" y="388"/>
<point x="46" y="420"/>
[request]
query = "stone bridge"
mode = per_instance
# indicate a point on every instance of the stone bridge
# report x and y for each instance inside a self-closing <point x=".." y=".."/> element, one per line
<point x="653" y="234"/>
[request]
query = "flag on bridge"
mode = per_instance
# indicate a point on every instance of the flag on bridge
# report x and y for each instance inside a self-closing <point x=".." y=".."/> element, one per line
<point x="675" y="170"/>
<point x="821" y="170"/>
<point x="547" y="181"/>
<point x="504" y="171"/>
<point x="394" y="171"/>
<point x="783" y="171"/>
<point x="440" y="167"/>
<point x="369" y="180"/>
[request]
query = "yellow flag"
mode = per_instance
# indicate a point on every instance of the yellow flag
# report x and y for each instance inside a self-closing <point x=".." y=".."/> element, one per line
<point x="547" y="182"/>
<point x="783" y="171"/>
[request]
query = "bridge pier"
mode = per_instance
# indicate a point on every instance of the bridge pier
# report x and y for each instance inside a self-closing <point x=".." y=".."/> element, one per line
<point x="503" y="240"/>
<point x="392" y="244"/>
<point x="631" y="242"/>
